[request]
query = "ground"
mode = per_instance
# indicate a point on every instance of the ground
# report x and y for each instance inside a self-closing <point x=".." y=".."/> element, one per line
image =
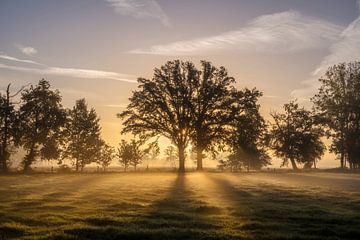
<point x="187" y="206"/>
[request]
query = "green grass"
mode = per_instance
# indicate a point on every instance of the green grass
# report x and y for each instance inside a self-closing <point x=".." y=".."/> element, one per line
<point x="171" y="206"/>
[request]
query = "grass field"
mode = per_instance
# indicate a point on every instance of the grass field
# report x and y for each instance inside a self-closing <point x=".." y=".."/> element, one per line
<point x="171" y="206"/>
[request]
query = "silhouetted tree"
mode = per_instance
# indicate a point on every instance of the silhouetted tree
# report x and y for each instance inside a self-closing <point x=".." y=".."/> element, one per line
<point x="171" y="155"/>
<point x="131" y="153"/>
<point x="107" y="154"/>
<point x="124" y="154"/>
<point x="153" y="151"/>
<point x="295" y="136"/>
<point x="210" y="102"/>
<point x="338" y="104"/>
<point x="41" y="119"/>
<point x="8" y="126"/>
<point x="83" y="141"/>
<point x="161" y="107"/>
<point x="246" y="138"/>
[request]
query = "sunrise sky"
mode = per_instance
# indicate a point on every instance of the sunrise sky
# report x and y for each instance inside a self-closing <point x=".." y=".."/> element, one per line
<point x="97" y="48"/>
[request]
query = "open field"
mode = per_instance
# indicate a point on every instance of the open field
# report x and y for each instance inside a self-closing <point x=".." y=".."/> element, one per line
<point x="171" y="206"/>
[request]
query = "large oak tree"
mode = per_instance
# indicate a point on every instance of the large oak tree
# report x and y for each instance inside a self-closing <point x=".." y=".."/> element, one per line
<point x="161" y="106"/>
<point x="211" y="100"/>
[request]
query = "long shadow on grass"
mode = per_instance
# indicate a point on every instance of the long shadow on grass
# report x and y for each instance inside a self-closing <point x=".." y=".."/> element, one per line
<point x="275" y="213"/>
<point x="180" y="215"/>
<point x="26" y="217"/>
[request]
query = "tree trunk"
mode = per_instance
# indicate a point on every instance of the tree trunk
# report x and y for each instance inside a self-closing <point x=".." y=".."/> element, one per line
<point x="29" y="158"/>
<point x="293" y="164"/>
<point x="4" y="152"/>
<point x="199" y="159"/>
<point x="77" y="165"/>
<point x="181" y="159"/>
<point x="314" y="163"/>
<point x="342" y="157"/>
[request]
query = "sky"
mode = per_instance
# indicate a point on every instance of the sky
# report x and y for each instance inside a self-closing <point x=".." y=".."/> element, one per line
<point x="96" y="49"/>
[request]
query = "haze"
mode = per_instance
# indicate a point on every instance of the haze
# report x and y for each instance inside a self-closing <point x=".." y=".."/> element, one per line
<point x="97" y="49"/>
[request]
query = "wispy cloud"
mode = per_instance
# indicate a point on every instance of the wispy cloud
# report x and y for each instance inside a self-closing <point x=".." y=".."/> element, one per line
<point x="288" y="31"/>
<point x="9" y="58"/>
<point x="67" y="72"/>
<point x="346" y="49"/>
<point x="27" y="50"/>
<point x="116" y="105"/>
<point x="142" y="9"/>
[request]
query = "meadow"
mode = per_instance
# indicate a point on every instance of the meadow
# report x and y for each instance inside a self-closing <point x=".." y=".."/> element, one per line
<point x="180" y="206"/>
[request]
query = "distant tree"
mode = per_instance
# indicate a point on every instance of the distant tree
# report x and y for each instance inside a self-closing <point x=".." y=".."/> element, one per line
<point x="338" y="104"/>
<point x="124" y="154"/>
<point x="295" y="136"/>
<point x="106" y="156"/>
<point x="222" y="165"/>
<point x="246" y="137"/>
<point x="162" y="106"/>
<point x="8" y="126"/>
<point x="210" y="103"/>
<point x="152" y="152"/>
<point x="131" y="153"/>
<point x="41" y="120"/>
<point x="83" y="141"/>
<point x="137" y="152"/>
<point x="171" y="155"/>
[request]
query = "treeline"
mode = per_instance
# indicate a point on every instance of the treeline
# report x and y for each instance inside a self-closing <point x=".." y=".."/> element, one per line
<point x="201" y="108"/>
<point x="47" y="131"/>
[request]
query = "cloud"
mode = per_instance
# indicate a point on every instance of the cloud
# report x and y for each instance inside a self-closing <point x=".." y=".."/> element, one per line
<point x="346" y="49"/>
<point x="287" y="31"/>
<point x="26" y="50"/>
<point x="116" y="105"/>
<point x="141" y="9"/>
<point x="67" y="72"/>
<point x="9" y="58"/>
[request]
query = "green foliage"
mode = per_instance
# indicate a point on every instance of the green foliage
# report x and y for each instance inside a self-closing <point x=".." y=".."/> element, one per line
<point x="41" y="120"/>
<point x="295" y="136"/>
<point x="82" y="133"/>
<point x="338" y="105"/>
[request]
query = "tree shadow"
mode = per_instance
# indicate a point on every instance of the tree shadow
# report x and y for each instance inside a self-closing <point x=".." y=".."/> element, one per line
<point x="272" y="212"/>
<point x="180" y="215"/>
<point x="26" y="210"/>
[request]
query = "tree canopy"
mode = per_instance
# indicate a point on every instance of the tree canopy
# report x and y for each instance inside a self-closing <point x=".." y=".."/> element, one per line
<point x="161" y="106"/>
<point x="295" y="136"/>
<point x="246" y="137"/>
<point x="41" y="120"/>
<point x="83" y="141"/>
<point x="338" y="105"/>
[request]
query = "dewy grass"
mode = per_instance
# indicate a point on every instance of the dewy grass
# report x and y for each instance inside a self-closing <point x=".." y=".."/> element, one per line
<point x="187" y="206"/>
